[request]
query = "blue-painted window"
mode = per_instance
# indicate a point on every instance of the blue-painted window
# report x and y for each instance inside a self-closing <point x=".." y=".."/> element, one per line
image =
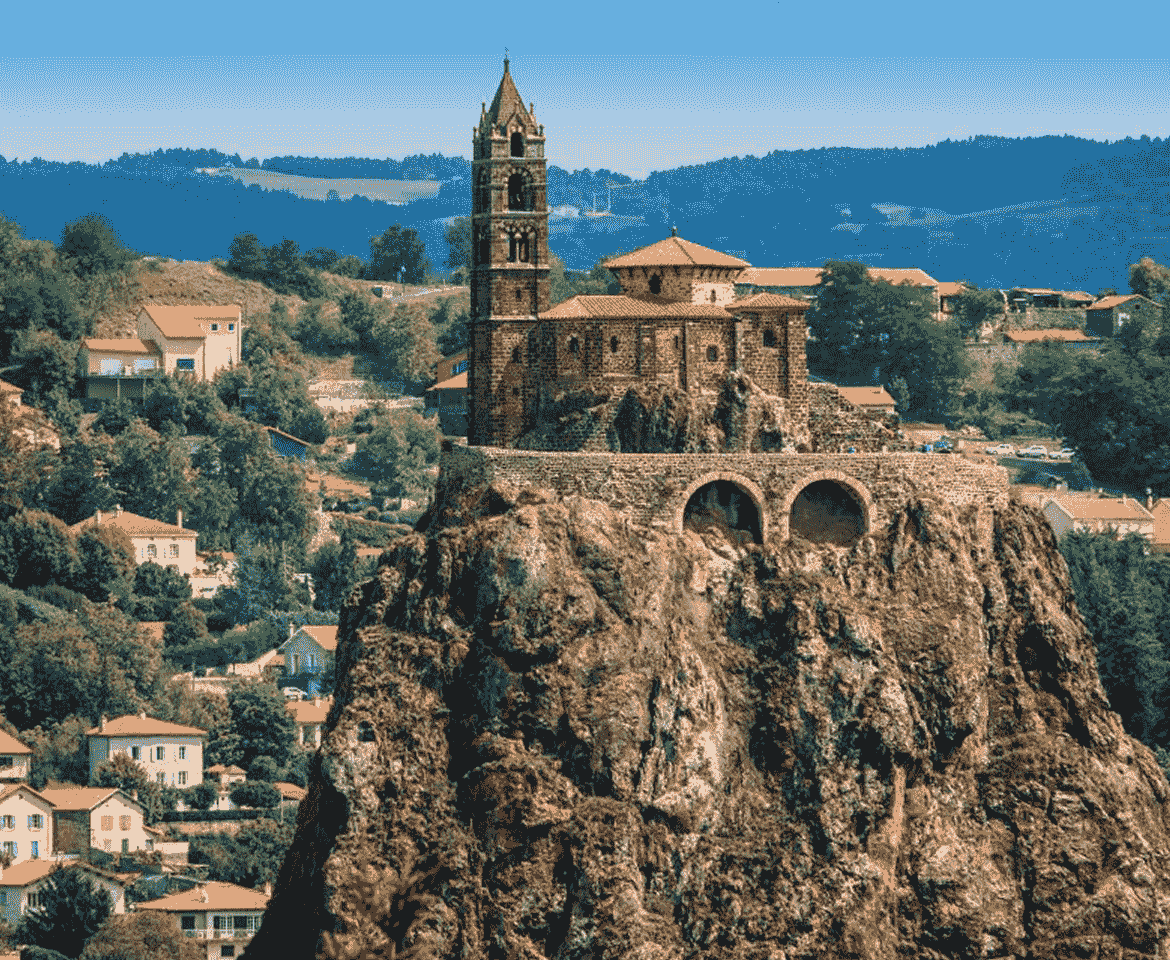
<point x="36" y="849"/>
<point x="185" y="363"/>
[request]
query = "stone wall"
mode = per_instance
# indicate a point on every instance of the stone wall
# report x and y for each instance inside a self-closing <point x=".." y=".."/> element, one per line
<point x="652" y="490"/>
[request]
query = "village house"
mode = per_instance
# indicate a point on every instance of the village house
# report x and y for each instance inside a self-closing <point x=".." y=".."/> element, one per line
<point x="804" y="282"/>
<point x="167" y="544"/>
<point x="26" y="823"/>
<point x="286" y="445"/>
<point x="14" y="759"/>
<point x="870" y="399"/>
<point x="309" y="716"/>
<point x="102" y="818"/>
<point x="1113" y="517"/>
<point x="224" y="915"/>
<point x="1107" y="316"/>
<point x="21" y="885"/>
<point x="193" y="340"/>
<point x="171" y="753"/>
<point x="308" y="656"/>
<point x="1028" y="299"/>
<point x="448" y="399"/>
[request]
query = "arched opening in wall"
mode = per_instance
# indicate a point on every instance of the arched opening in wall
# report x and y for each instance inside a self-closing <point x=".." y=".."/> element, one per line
<point x="574" y="346"/>
<point x="827" y="512"/>
<point x="724" y="507"/>
<point x="655" y="284"/>
<point x="517" y="144"/>
<point x="712" y="296"/>
<point x="769" y="337"/>
<point x="519" y="195"/>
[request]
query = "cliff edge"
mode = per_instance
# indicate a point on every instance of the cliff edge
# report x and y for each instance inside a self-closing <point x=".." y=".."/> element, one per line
<point x="557" y="735"/>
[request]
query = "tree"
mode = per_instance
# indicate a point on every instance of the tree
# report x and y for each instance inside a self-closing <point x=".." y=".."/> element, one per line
<point x="149" y="473"/>
<point x="75" y="486"/>
<point x="45" y="363"/>
<point x="91" y="245"/>
<point x="359" y="314"/>
<point x="254" y="794"/>
<point x="186" y="627"/>
<point x="263" y="770"/>
<point x="119" y="772"/>
<point x="72" y="909"/>
<point x="60" y="751"/>
<point x="458" y="237"/>
<point x="455" y="337"/>
<point x="246" y="256"/>
<point x="407" y="348"/>
<point x="260" y="719"/>
<point x="286" y="272"/>
<point x="202" y="796"/>
<point x="36" y="548"/>
<point x="332" y="567"/>
<point x="320" y="333"/>
<point x="1151" y="279"/>
<point x="106" y="565"/>
<point x="399" y="453"/>
<point x="115" y="417"/>
<point x="158" y="590"/>
<point x="398" y="254"/>
<point x="974" y="307"/>
<point x="143" y="935"/>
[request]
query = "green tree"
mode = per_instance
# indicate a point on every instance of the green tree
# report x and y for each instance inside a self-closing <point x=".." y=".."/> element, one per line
<point x="974" y="307"/>
<point x="261" y="721"/>
<point x="263" y="770"/>
<point x="60" y="751"/>
<point x="115" y="417"/>
<point x="320" y="333"/>
<point x="455" y="336"/>
<point x="254" y="794"/>
<point x="399" y="453"/>
<point x="72" y="909"/>
<point x="398" y="254"/>
<point x="158" y="590"/>
<point x="142" y="935"/>
<point x="36" y="548"/>
<point x="106" y="563"/>
<point x="203" y="795"/>
<point x="91" y="245"/>
<point x="332" y="567"/>
<point x="76" y="486"/>
<point x="1151" y="279"/>
<point x="246" y="256"/>
<point x="458" y="238"/>
<point x="45" y="363"/>
<point x="119" y="772"/>
<point x="186" y="627"/>
<point x="149" y="473"/>
<point x="251" y="858"/>
<point x="359" y="313"/>
<point x="407" y="348"/>
<point x="286" y="272"/>
<point x="321" y="258"/>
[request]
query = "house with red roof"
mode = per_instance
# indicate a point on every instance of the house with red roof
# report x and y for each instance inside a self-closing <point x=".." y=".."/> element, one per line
<point x="223" y="915"/>
<point x="21" y="885"/>
<point x="14" y="759"/>
<point x="167" y="544"/>
<point x="1107" y="316"/>
<point x="308" y="656"/>
<point x="195" y="340"/>
<point x="1104" y="515"/>
<point x="26" y="823"/>
<point x="310" y="716"/>
<point x="171" y="753"/>
<point x="104" y="818"/>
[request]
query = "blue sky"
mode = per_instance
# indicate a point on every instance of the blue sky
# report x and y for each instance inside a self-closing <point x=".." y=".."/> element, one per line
<point x="634" y="88"/>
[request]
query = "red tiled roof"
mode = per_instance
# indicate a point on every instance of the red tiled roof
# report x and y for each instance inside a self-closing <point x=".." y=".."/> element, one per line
<point x="305" y="711"/>
<point x="325" y="637"/>
<point x="811" y="276"/>
<point x="289" y="791"/>
<point x="124" y="345"/>
<point x="6" y="387"/>
<point x="1098" y="508"/>
<point x="188" y="321"/>
<point x="1036" y="336"/>
<point x="1107" y="303"/>
<point x="675" y="251"/>
<point x="920" y="278"/>
<point x="81" y="798"/>
<point x="866" y="396"/>
<point x="619" y="306"/>
<point x="9" y="789"/>
<point x="948" y="288"/>
<point x="133" y="725"/>
<point x="220" y="896"/>
<point x="134" y="525"/>
<point x="457" y="382"/>
<point x="10" y="745"/>
<point x="22" y="874"/>
<point x="764" y="301"/>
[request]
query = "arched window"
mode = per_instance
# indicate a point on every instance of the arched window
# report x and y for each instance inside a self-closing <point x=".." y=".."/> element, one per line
<point x="519" y="194"/>
<point x="519" y="295"/>
<point x="517" y="144"/>
<point x="574" y="346"/>
<point x="522" y="248"/>
<point x="769" y="337"/>
<point x="513" y="244"/>
<point x="515" y="354"/>
<point x="613" y="344"/>
<point x="712" y="354"/>
<point x="655" y="284"/>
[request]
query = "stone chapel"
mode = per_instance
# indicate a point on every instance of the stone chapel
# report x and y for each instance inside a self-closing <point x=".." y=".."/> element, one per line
<point x="676" y="322"/>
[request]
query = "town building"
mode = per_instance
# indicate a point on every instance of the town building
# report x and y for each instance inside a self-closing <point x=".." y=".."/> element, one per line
<point x="192" y="340"/>
<point x="21" y="886"/>
<point x="1028" y="299"/>
<point x="286" y="445"/>
<point x="26" y="823"/>
<point x="14" y="759"/>
<point x="308" y="656"/>
<point x="101" y="818"/>
<point x="870" y="399"/>
<point x="167" y="544"/>
<point x="1107" y="316"/>
<point x="1112" y="517"/>
<point x="310" y="716"/>
<point x="171" y="754"/>
<point x="804" y="283"/>
<point x="224" y="915"/>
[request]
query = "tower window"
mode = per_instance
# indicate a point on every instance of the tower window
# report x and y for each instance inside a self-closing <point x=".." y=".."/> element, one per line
<point x="574" y="346"/>
<point x="513" y="243"/>
<point x="769" y="337"/>
<point x="656" y="284"/>
<point x="712" y="296"/>
<point x="522" y="246"/>
<point x="515" y="354"/>
<point x="676" y="343"/>
<point x="519" y="195"/>
<point x="519" y="295"/>
<point x="613" y="344"/>
<point x="515" y="391"/>
<point x="712" y="354"/>
<point x="517" y="144"/>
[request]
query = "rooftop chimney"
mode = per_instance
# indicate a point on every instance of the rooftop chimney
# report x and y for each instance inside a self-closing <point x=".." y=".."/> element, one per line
<point x="134" y="794"/>
<point x="674" y="231"/>
<point x="141" y="714"/>
<point x="268" y="888"/>
<point x="97" y="516"/>
<point x="118" y="509"/>
<point x="1149" y="499"/>
<point x="102" y="725"/>
<point x="202" y="894"/>
<point x="179" y="519"/>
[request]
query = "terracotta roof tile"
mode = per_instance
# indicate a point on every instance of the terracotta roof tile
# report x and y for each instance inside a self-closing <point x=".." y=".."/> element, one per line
<point x="457" y="382"/>
<point x="6" y="387"/>
<point x="135" y="525"/>
<point x="619" y="306"/>
<point x="124" y="345"/>
<point x="133" y="725"/>
<point x="948" y="288"/>
<point x="1098" y="508"/>
<point x="192" y="321"/>
<point x="1107" y="303"/>
<point x="305" y="711"/>
<point x="22" y="874"/>
<point x="764" y="301"/>
<point x="220" y="896"/>
<point x="1036" y="336"/>
<point x="675" y="251"/>
<point x="811" y="276"/>
<point x="80" y="798"/>
<point x="290" y="791"/>
<point x="10" y="789"/>
<point x="10" y="745"/>
<point x="866" y="396"/>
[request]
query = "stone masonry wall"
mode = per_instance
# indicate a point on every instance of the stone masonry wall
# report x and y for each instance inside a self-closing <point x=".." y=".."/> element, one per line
<point x="652" y="489"/>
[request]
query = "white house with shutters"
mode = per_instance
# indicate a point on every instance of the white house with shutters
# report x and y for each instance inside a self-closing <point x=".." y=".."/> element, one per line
<point x="26" y="823"/>
<point x="171" y="753"/>
<point x="14" y="759"/>
<point x="21" y="886"/>
<point x="222" y="915"/>
<point x="104" y="818"/>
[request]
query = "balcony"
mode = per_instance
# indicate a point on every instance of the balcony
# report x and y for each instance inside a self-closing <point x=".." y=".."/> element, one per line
<point x="125" y="373"/>
<point x="236" y="935"/>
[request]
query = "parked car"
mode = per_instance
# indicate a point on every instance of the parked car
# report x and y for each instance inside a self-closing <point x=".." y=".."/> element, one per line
<point x="293" y="693"/>
<point x="943" y="445"/>
<point x="1001" y="450"/>
<point x="1065" y="454"/>
<point x="1036" y="452"/>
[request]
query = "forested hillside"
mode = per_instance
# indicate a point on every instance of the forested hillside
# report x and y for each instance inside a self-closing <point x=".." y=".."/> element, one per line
<point x="1050" y="211"/>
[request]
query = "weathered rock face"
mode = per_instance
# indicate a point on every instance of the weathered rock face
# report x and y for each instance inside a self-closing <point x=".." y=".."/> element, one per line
<point x="556" y="736"/>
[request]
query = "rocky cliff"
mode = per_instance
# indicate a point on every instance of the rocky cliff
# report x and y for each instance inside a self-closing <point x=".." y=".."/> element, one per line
<point x="559" y="736"/>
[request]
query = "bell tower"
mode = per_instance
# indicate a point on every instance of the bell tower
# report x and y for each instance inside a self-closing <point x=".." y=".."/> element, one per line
<point x="509" y="266"/>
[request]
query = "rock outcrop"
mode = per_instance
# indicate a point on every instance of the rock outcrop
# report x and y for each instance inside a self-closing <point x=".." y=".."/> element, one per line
<point x="559" y="736"/>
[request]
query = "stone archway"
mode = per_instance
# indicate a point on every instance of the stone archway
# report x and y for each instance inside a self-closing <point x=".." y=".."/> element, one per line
<point x="827" y="507"/>
<point x="723" y="485"/>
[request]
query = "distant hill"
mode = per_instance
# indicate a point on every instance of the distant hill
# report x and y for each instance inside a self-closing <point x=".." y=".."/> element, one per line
<point x="1050" y="211"/>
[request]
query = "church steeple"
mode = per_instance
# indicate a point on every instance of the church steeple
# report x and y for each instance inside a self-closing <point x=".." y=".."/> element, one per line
<point x="509" y="264"/>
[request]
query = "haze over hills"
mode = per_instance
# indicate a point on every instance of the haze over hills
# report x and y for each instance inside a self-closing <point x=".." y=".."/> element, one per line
<point x="1051" y="211"/>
